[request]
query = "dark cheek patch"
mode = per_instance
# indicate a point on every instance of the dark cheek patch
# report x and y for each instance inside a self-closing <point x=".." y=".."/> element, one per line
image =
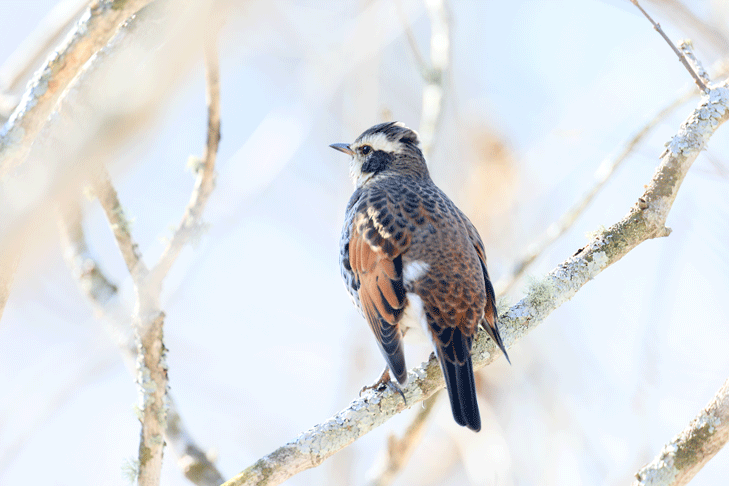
<point x="377" y="162"/>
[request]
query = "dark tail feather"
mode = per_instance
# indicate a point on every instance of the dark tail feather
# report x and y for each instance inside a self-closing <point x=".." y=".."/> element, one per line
<point x="462" y="393"/>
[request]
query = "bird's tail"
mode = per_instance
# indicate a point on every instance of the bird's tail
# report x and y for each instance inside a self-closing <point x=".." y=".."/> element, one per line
<point x="461" y="391"/>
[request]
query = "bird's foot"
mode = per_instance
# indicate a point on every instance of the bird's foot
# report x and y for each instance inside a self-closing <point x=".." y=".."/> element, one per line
<point x="384" y="382"/>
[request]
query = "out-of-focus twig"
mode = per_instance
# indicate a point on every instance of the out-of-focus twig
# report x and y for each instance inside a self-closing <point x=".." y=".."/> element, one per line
<point x="433" y="73"/>
<point x="685" y="18"/>
<point x="399" y="450"/>
<point x="35" y="47"/>
<point x="205" y="181"/>
<point x="148" y="317"/>
<point x="644" y="221"/>
<point x="120" y="225"/>
<point x="602" y="175"/>
<point x="692" y="448"/>
<point x="699" y="82"/>
<point x="93" y="31"/>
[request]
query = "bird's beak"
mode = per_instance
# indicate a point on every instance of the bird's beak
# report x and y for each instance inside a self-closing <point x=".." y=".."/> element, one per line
<point x="343" y="147"/>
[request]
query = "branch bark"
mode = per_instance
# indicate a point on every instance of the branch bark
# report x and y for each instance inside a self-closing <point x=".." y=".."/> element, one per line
<point x="644" y="221"/>
<point x="96" y="27"/>
<point x="690" y="450"/>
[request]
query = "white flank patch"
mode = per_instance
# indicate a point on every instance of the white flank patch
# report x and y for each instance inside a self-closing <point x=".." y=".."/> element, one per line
<point x="414" y="321"/>
<point x="413" y="271"/>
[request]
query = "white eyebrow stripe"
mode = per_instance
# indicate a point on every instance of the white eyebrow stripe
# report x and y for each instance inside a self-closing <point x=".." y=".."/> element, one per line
<point x="379" y="141"/>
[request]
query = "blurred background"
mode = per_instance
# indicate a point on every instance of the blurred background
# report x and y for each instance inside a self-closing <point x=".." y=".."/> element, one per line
<point x="263" y="339"/>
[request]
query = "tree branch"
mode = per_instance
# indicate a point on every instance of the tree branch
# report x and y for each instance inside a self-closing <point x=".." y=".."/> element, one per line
<point x="205" y="170"/>
<point x="35" y="47"/>
<point x="690" y="450"/>
<point x="120" y="225"/>
<point x="607" y="168"/>
<point x="96" y="27"/>
<point x="102" y="295"/>
<point x="645" y="220"/>
<point x="699" y="82"/>
<point x="148" y="317"/>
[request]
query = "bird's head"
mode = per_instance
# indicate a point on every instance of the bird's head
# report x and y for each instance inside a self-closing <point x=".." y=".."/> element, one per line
<point x="385" y="149"/>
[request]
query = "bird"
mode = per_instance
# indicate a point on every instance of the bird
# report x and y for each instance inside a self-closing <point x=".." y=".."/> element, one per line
<point x="411" y="259"/>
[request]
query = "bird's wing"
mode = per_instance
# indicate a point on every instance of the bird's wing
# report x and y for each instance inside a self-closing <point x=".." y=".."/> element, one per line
<point x="375" y="258"/>
<point x="490" y="313"/>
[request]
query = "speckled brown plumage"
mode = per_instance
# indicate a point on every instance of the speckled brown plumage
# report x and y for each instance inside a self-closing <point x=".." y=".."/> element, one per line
<point x="408" y="255"/>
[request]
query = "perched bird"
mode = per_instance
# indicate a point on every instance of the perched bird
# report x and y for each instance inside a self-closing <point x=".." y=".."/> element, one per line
<point x="411" y="259"/>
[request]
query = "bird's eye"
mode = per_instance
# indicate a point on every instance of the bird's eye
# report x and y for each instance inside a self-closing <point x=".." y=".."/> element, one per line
<point x="365" y="149"/>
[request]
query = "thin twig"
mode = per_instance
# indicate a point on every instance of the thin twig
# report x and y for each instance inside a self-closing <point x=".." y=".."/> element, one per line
<point x="419" y="59"/>
<point x="97" y="25"/>
<point x="687" y="20"/>
<point x="120" y="225"/>
<point x="692" y="448"/>
<point x="205" y="181"/>
<point x="680" y="55"/>
<point x="148" y="317"/>
<point x="645" y="220"/>
<point x="602" y="175"/>
<point x="434" y="90"/>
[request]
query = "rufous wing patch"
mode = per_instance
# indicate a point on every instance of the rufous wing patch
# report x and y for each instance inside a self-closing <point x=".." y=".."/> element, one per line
<point x="378" y="266"/>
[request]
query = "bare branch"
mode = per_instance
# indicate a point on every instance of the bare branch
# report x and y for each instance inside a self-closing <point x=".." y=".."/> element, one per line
<point x="97" y="25"/>
<point x="602" y="175"/>
<point x="645" y="220"/>
<point x="35" y="47"/>
<point x="109" y="200"/>
<point x="692" y="448"/>
<point x="205" y="181"/>
<point x="686" y="19"/>
<point x="680" y="55"/>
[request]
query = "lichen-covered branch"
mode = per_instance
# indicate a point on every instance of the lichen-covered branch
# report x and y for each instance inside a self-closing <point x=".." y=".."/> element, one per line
<point x="690" y="450"/>
<point x="92" y="32"/>
<point x="645" y="220"/>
